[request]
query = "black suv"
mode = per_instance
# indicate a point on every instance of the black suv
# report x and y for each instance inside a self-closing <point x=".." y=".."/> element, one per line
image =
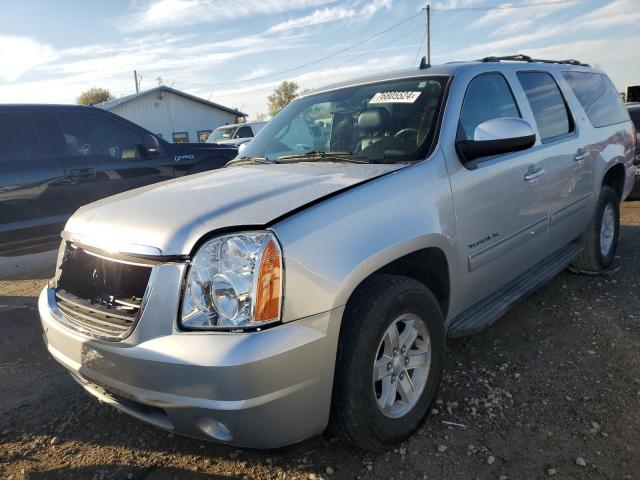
<point x="54" y="159"/>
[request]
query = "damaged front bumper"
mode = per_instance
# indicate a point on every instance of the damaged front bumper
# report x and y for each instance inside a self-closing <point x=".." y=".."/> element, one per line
<point x="254" y="389"/>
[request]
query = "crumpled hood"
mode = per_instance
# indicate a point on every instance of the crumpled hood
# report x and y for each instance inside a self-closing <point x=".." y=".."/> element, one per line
<point x="172" y="216"/>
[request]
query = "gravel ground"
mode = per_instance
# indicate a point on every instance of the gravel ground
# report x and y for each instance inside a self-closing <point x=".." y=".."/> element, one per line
<point x="551" y="390"/>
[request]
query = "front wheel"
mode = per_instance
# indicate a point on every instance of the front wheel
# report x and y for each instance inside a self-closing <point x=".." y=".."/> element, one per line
<point x="390" y="361"/>
<point x="600" y="241"/>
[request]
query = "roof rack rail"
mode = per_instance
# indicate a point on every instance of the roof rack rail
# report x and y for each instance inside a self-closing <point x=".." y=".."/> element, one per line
<point x="526" y="58"/>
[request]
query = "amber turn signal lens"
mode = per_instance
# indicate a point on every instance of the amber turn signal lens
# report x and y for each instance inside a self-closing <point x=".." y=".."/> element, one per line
<point x="269" y="287"/>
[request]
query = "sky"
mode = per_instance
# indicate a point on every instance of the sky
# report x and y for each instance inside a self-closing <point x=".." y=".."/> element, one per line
<point x="235" y="52"/>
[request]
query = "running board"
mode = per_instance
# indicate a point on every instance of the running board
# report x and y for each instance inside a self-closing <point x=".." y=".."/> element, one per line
<point x="491" y="308"/>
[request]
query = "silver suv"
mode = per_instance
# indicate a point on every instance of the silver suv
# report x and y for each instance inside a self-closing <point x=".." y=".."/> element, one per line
<point x="313" y="281"/>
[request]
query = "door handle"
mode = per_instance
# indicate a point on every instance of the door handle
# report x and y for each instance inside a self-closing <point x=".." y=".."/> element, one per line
<point x="580" y="155"/>
<point x="533" y="173"/>
<point x="82" y="173"/>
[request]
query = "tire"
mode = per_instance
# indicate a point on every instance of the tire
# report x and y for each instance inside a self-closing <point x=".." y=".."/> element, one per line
<point x="595" y="256"/>
<point x="356" y="416"/>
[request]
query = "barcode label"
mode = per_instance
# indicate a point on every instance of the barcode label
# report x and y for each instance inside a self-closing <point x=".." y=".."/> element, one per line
<point x="395" y="97"/>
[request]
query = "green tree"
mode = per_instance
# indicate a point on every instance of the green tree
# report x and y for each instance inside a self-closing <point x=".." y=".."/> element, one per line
<point x="93" y="96"/>
<point x="281" y="96"/>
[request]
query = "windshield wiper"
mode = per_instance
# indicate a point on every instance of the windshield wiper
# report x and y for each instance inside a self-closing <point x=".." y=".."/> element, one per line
<point x="248" y="161"/>
<point x="320" y="156"/>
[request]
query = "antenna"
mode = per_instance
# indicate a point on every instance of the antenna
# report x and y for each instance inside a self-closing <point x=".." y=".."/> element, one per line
<point x="423" y="63"/>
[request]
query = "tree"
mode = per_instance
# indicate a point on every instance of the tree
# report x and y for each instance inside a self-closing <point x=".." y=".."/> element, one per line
<point x="261" y="117"/>
<point x="93" y="96"/>
<point x="281" y="96"/>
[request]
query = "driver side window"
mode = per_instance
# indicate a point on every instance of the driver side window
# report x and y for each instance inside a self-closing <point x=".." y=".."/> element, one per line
<point x="488" y="96"/>
<point x="89" y="134"/>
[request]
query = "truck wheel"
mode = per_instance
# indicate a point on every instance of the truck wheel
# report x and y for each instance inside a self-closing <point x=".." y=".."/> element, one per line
<point x="601" y="238"/>
<point x="389" y="364"/>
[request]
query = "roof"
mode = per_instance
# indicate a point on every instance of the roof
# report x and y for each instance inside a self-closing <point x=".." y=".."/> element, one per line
<point x="163" y="88"/>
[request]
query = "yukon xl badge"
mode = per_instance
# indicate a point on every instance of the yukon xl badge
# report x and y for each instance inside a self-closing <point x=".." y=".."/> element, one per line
<point x="183" y="157"/>
<point x="484" y="240"/>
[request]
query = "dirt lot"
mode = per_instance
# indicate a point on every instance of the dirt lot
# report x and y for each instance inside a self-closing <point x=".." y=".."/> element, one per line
<point x="551" y="390"/>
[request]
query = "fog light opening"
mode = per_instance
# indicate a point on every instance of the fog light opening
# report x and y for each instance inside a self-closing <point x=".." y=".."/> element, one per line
<point x="214" y="429"/>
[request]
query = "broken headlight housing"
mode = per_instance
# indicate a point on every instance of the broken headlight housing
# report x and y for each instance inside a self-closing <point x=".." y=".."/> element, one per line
<point x="234" y="282"/>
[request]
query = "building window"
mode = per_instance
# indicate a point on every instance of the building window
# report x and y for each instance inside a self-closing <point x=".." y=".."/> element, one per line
<point x="203" y="135"/>
<point x="180" y="137"/>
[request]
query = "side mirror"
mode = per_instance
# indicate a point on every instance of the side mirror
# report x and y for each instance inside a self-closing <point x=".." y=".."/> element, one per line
<point x="242" y="147"/>
<point x="496" y="137"/>
<point x="151" y="145"/>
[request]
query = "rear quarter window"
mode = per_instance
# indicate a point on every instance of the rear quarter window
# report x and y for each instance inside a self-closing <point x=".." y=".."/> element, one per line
<point x="598" y="97"/>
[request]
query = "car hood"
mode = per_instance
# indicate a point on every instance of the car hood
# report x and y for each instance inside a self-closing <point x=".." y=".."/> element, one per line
<point x="169" y="218"/>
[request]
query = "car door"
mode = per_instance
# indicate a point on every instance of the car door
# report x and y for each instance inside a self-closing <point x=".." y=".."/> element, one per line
<point x="33" y="193"/>
<point x="567" y="162"/>
<point x="103" y="155"/>
<point x="500" y="202"/>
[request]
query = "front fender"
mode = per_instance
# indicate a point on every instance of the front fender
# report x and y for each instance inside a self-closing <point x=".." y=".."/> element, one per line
<point x="331" y="247"/>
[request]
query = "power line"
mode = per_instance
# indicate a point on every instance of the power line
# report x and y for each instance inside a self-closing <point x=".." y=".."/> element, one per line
<point x="376" y="35"/>
<point x="313" y="62"/>
<point x="377" y="47"/>
<point x="424" y="36"/>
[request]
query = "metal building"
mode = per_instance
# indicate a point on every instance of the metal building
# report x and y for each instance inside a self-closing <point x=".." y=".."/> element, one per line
<point x="176" y="116"/>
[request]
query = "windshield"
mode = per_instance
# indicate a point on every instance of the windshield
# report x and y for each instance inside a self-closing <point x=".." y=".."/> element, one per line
<point x="221" y="134"/>
<point x="382" y="122"/>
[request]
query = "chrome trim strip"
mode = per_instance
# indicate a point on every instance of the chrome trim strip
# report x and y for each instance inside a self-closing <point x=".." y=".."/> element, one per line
<point x="111" y="246"/>
<point x="566" y="211"/>
<point x="490" y="253"/>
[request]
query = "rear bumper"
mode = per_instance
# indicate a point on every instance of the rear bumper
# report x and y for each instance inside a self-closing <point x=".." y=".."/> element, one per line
<point x="260" y="390"/>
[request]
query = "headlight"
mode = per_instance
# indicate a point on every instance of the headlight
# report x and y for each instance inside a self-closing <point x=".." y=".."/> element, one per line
<point x="234" y="281"/>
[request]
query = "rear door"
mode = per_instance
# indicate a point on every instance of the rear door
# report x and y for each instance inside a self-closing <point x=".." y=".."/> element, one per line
<point x="501" y="205"/>
<point x="103" y="156"/>
<point x="568" y="163"/>
<point x="33" y="192"/>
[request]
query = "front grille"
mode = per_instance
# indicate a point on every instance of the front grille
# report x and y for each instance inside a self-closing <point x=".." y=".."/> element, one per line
<point x="100" y="296"/>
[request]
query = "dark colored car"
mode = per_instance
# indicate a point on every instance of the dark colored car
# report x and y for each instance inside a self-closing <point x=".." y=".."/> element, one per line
<point x="634" y="113"/>
<point x="54" y="159"/>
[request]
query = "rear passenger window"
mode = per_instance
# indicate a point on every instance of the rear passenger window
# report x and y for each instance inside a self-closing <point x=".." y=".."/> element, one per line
<point x="18" y="138"/>
<point x="598" y="97"/>
<point x="91" y="134"/>
<point x="488" y="96"/>
<point x="547" y="103"/>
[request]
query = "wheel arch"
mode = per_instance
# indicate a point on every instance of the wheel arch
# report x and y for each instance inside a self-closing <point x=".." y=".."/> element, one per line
<point x="614" y="177"/>
<point x="428" y="265"/>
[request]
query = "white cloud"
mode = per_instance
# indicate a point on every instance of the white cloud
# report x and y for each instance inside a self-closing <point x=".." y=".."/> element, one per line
<point x="354" y="11"/>
<point x="252" y="98"/>
<point x="617" y="13"/>
<point x="511" y="44"/>
<point x="255" y="73"/>
<point x="171" y="13"/>
<point x="517" y="20"/>
<point x="18" y="55"/>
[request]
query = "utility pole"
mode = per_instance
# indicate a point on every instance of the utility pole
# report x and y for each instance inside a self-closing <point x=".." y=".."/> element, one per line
<point x="428" y="35"/>
<point x="135" y="78"/>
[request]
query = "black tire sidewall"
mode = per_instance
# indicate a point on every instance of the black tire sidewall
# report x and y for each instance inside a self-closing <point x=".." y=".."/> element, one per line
<point x="406" y="297"/>
<point x="607" y="197"/>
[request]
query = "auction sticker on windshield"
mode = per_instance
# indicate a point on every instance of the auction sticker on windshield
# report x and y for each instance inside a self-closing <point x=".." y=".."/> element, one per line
<point x="395" y="97"/>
